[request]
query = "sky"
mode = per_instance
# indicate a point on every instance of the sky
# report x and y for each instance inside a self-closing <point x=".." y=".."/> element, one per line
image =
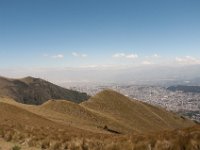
<point x="98" y="33"/>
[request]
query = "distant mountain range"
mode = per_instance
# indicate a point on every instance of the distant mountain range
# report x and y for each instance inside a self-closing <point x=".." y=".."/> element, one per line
<point x="184" y="88"/>
<point x="36" y="91"/>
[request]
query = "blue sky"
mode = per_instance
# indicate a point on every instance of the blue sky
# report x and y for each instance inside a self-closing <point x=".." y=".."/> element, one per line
<point x="76" y="33"/>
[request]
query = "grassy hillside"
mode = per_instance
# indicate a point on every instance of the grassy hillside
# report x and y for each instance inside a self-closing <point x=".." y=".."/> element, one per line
<point x="107" y="121"/>
<point x="136" y="115"/>
<point x="82" y="117"/>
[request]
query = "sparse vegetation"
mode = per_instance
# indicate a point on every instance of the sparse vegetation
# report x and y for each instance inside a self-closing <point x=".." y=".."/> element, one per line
<point x="187" y="139"/>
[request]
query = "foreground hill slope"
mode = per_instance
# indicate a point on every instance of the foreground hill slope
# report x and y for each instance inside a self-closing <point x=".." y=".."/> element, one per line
<point x="22" y="126"/>
<point x="66" y="125"/>
<point x="134" y="114"/>
<point x="31" y="90"/>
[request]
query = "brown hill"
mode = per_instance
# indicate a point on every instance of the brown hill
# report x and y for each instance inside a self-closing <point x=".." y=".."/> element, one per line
<point x="31" y="90"/>
<point x="136" y="115"/>
<point x="80" y="117"/>
<point x="106" y="121"/>
<point x="22" y="126"/>
<point x="108" y="109"/>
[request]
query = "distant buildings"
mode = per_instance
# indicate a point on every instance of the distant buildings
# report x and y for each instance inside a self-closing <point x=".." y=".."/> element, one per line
<point x="187" y="104"/>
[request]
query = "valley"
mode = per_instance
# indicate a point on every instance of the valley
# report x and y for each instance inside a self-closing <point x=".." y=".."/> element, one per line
<point x="105" y="121"/>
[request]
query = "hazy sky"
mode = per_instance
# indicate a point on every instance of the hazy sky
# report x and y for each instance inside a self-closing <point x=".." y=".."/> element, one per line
<point x="89" y="33"/>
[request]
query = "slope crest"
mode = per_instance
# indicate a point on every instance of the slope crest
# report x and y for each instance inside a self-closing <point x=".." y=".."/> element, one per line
<point x="13" y="115"/>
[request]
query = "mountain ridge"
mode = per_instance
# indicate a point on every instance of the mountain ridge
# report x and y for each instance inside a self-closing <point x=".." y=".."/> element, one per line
<point x="36" y="91"/>
<point x="185" y="88"/>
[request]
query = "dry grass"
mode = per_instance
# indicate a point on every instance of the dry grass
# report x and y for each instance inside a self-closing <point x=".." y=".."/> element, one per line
<point x="46" y="138"/>
<point x="54" y="126"/>
<point x="133" y="114"/>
